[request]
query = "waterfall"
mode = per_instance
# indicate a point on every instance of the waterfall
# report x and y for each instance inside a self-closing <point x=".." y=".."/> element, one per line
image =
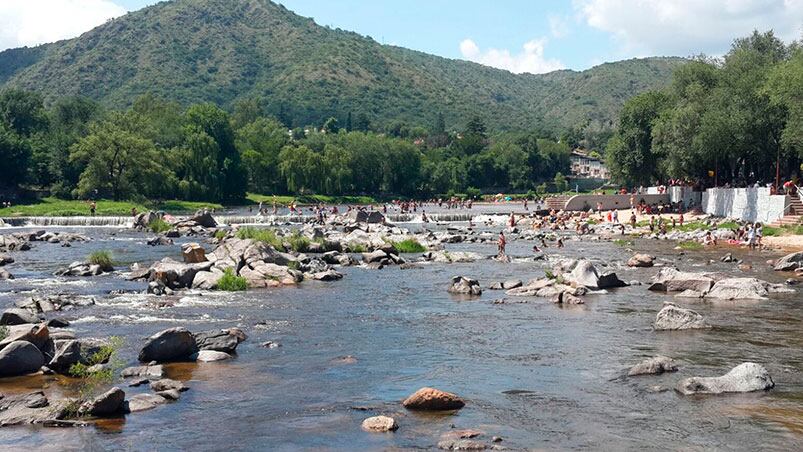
<point x="97" y="221"/>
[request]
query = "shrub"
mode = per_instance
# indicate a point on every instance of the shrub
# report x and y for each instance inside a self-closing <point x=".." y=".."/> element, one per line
<point x="102" y="258"/>
<point x="356" y="248"/>
<point x="3" y="332"/>
<point x="622" y="242"/>
<point x="409" y="246"/>
<point x="220" y="234"/>
<point x="298" y="242"/>
<point x="92" y="379"/>
<point x="158" y="226"/>
<point x="231" y="282"/>
<point x="261" y="235"/>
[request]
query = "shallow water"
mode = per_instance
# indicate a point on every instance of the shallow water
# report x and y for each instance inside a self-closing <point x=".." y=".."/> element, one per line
<point x="536" y="374"/>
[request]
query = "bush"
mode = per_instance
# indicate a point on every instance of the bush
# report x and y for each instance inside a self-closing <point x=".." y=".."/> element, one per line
<point x="298" y="242"/>
<point x="622" y="242"/>
<point x="409" y="246"/>
<point x="220" y="234"/>
<point x="231" y="282"/>
<point x="158" y="226"/>
<point x="3" y="332"/>
<point x="473" y="193"/>
<point x="356" y="248"/>
<point x="102" y="258"/>
<point x="92" y="379"/>
<point x="261" y="235"/>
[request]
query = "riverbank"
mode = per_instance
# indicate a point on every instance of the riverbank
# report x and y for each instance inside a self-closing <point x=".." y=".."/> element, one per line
<point x="54" y="207"/>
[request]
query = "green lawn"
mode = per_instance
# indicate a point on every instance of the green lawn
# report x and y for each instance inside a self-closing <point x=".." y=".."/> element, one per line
<point x="255" y="198"/>
<point x="53" y="207"/>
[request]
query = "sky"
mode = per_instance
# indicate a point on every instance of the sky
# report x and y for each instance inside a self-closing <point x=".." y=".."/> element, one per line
<point x="517" y="35"/>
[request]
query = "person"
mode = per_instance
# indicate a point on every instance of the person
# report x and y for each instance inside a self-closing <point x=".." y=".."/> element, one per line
<point x="652" y="223"/>
<point x="680" y="219"/>
<point x="92" y="208"/>
<point x="616" y="216"/>
<point x="560" y="242"/>
<point x="709" y="239"/>
<point x="424" y="217"/>
<point x="543" y="243"/>
<point x="502" y="243"/>
<point x="512" y="221"/>
<point x="759" y="231"/>
<point x="536" y="249"/>
<point x="525" y="204"/>
<point x="633" y="219"/>
<point x="133" y="211"/>
<point x="751" y="236"/>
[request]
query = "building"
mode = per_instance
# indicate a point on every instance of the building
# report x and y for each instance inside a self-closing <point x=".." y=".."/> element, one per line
<point x="586" y="166"/>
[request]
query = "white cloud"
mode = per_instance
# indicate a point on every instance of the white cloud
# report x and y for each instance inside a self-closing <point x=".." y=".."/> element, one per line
<point x="530" y="59"/>
<point x="685" y="27"/>
<point x="558" y="26"/>
<point x="32" y="22"/>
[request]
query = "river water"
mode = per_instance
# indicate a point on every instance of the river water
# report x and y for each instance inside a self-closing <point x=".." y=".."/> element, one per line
<point x="536" y="374"/>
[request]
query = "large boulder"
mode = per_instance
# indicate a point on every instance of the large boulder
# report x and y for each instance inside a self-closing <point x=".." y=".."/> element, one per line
<point x="174" y="344"/>
<point x="653" y="366"/>
<point x="109" y="403"/>
<point x="362" y="216"/>
<point x="270" y="275"/>
<point x="220" y="340"/>
<point x="37" y="334"/>
<point x="790" y="262"/>
<point x="193" y="253"/>
<point x="641" y="260"/>
<point x="673" y="317"/>
<point x="157" y="371"/>
<point x="431" y="399"/>
<point x="20" y="358"/>
<point x="585" y="274"/>
<point x="745" y="377"/>
<point x="207" y="280"/>
<point x="17" y="316"/>
<point x="67" y="353"/>
<point x="5" y="275"/>
<point x="142" y="402"/>
<point x="671" y="279"/>
<point x="176" y="275"/>
<point x="235" y="253"/>
<point x="465" y="286"/>
<point x="451" y="257"/>
<point x="204" y="219"/>
<point x="738" y="289"/>
<point x="6" y="259"/>
<point x="83" y="269"/>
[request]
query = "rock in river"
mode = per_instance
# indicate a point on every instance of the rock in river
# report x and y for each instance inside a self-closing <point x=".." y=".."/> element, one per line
<point x="673" y="317"/>
<point x="790" y="262"/>
<point x="16" y="316"/>
<point x="653" y="366"/>
<point x="174" y="344"/>
<point x="142" y="402"/>
<point x="380" y="424"/>
<point x="109" y="403"/>
<point x="219" y="340"/>
<point x="431" y="399"/>
<point x="745" y="377"/>
<point x="585" y="274"/>
<point x="641" y="260"/>
<point x="20" y="358"/>
<point x="465" y="286"/>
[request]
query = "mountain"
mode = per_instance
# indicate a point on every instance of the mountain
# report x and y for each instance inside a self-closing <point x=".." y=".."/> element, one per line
<point x="224" y="50"/>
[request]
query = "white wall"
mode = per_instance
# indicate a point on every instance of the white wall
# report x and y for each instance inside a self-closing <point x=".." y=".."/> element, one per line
<point x="748" y="204"/>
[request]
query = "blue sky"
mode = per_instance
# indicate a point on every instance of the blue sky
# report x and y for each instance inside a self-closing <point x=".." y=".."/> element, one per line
<point x="517" y="35"/>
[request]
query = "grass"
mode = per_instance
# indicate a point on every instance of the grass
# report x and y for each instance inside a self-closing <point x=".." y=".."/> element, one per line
<point x="409" y="246"/>
<point x="158" y="226"/>
<point x="256" y="198"/>
<point x="3" y="332"/>
<point x="231" y="282"/>
<point x="54" y="207"/>
<point x="728" y="225"/>
<point x="261" y="235"/>
<point x="772" y="231"/>
<point x="298" y="242"/>
<point x="357" y="248"/>
<point x="623" y="242"/>
<point x="690" y="245"/>
<point x="220" y="234"/>
<point x="102" y="258"/>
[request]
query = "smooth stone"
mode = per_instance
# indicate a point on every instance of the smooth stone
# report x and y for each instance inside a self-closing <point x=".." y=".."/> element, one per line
<point x="431" y="399"/>
<point x="653" y="366"/>
<point x="380" y="424"/>
<point x="746" y="377"/>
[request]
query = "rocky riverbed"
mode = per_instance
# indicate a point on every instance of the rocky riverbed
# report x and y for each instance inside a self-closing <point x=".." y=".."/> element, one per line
<point x="330" y="348"/>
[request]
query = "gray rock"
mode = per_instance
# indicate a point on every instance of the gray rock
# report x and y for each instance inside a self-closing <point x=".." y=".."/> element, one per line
<point x="176" y="275"/>
<point x="431" y="399"/>
<point x="20" y="358"/>
<point x="37" y="334"/>
<point x="109" y="403"/>
<point x="380" y="424"/>
<point x="219" y="340"/>
<point x="512" y="284"/>
<point x="169" y="394"/>
<point x="16" y="316"/>
<point x="66" y="354"/>
<point x="790" y="262"/>
<point x="4" y="274"/>
<point x="6" y="259"/>
<point x="745" y="377"/>
<point x="328" y="275"/>
<point x="739" y="289"/>
<point x="166" y="384"/>
<point x="641" y="260"/>
<point x="653" y="366"/>
<point x="671" y="279"/>
<point x="208" y="356"/>
<point x="174" y="344"/>
<point x="207" y="280"/>
<point x="585" y="274"/>
<point x="160" y="240"/>
<point x="142" y="402"/>
<point x="673" y="317"/>
<point x="465" y="286"/>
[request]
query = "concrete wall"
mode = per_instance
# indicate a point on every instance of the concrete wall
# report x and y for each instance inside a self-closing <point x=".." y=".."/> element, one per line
<point x="689" y="197"/>
<point x="610" y="202"/>
<point x="748" y="204"/>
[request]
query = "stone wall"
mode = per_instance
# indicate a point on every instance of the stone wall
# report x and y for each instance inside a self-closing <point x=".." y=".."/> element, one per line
<point x="610" y="202"/>
<point x="748" y="204"/>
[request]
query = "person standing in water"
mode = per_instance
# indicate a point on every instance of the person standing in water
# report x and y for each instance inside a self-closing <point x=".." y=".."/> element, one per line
<point x="502" y="243"/>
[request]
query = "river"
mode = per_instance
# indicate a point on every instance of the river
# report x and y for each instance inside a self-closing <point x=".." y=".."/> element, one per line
<point x="536" y="374"/>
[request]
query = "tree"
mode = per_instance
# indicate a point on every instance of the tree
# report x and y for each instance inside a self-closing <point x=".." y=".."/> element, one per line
<point x="210" y="121"/>
<point x="15" y="153"/>
<point x="260" y="143"/>
<point x="245" y="112"/>
<point x="561" y="184"/>
<point x="118" y="163"/>
<point x="22" y="112"/>
<point x="330" y="126"/>
<point x="785" y="89"/>
<point x="629" y="153"/>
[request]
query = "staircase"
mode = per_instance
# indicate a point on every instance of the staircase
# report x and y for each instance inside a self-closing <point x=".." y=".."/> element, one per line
<point x="556" y="202"/>
<point x="795" y="214"/>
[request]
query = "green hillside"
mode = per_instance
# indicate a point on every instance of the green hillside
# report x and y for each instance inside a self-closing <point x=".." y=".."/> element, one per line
<point x="224" y="50"/>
